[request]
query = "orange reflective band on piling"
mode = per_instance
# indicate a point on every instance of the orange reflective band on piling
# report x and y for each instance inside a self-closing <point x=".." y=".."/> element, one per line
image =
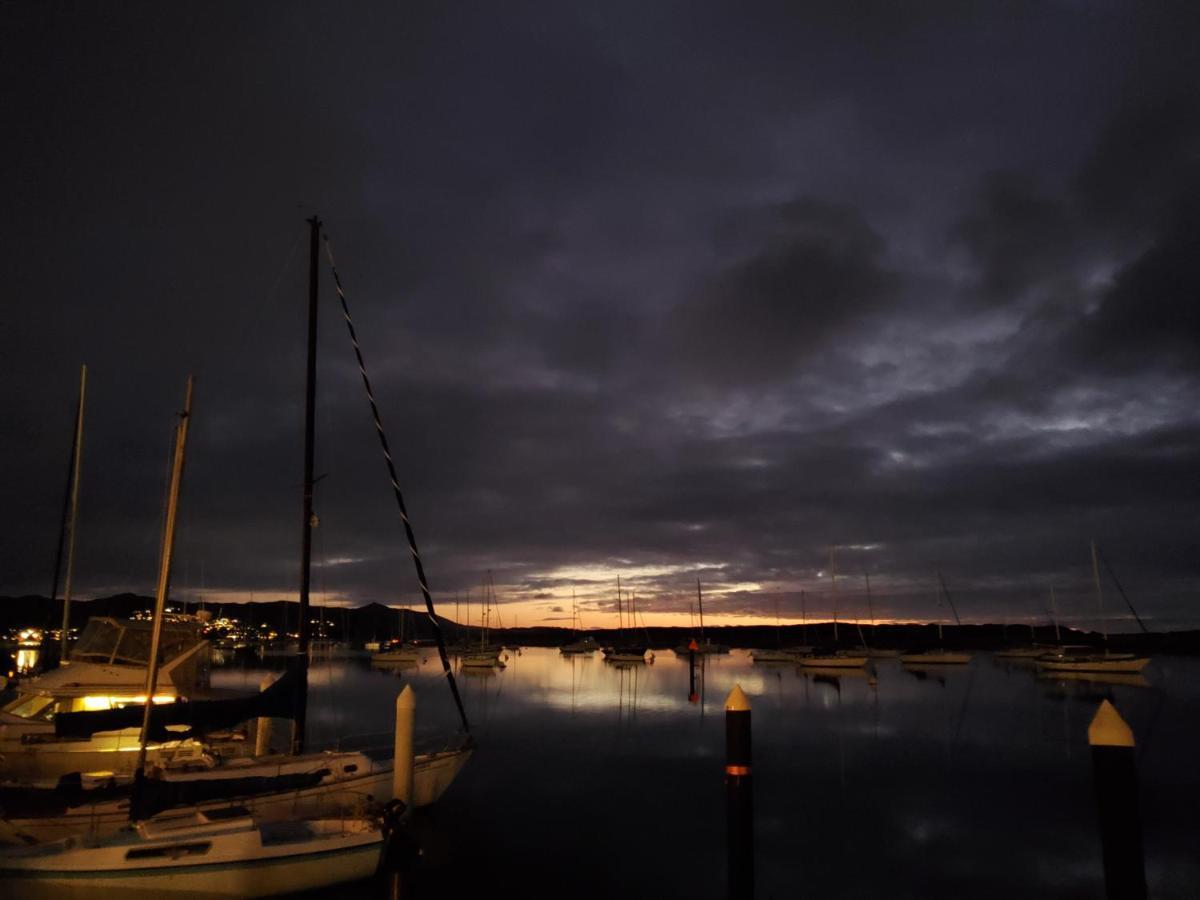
<point x="737" y="770"/>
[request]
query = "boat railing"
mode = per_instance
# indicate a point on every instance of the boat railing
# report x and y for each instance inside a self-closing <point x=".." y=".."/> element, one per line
<point x="383" y="742"/>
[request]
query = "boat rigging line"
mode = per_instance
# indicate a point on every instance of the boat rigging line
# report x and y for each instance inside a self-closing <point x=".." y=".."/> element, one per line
<point x="387" y="456"/>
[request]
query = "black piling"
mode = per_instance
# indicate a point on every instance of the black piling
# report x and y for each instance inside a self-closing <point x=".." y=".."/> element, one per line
<point x="739" y="795"/>
<point x="1115" y="773"/>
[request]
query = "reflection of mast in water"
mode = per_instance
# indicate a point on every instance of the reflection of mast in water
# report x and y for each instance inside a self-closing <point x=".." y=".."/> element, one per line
<point x="627" y="681"/>
<point x="572" y="684"/>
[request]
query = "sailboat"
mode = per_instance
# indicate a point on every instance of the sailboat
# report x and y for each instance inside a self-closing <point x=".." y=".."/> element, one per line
<point x="835" y="657"/>
<point x="627" y="651"/>
<point x="485" y="655"/>
<point x="939" y="655"/>
<point x="779" y="654"/>
<point x="581" y="645"/>
<point x="1088" y="659"/>
<point x="876" y="652"/>
<point x="704" y="646"/>
<point x="209" y="854"/>
<point x="403" y="652"/>
<point x="271" y="785"/>
<point x="105" y="669"/>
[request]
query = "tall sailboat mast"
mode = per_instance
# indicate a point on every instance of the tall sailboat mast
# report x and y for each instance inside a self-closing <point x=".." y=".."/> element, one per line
<point x="76" y="460"/>
<point x="306" y="527"/>
<point x="700" y="606"/>
<point x="164" y="577"/>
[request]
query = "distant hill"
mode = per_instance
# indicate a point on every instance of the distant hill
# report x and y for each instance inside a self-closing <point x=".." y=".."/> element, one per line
<point x="378" y="622"/>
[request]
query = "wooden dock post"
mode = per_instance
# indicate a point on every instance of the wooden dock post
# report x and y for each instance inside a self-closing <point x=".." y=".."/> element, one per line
<point x="1115" y="774"/>
<point x="739" y="795"/>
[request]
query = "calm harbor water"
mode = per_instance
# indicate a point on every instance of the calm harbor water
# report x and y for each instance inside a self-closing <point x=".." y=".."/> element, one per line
<point x="598" y="781"/>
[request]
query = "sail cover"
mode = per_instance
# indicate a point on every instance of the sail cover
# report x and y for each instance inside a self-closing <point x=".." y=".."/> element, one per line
<point x="189" y="718"/>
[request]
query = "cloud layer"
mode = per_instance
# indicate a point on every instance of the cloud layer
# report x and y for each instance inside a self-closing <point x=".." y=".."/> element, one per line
<point x="675" y="293"/>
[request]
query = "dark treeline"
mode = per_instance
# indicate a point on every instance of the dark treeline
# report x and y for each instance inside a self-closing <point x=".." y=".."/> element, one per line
<point x="377" y="622"/>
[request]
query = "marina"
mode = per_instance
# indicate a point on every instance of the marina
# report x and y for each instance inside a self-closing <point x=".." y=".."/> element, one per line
<point x="910" y="760"/>
<point x="707" y="451"/>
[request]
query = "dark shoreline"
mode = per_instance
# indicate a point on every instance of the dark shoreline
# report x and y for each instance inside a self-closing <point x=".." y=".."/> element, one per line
<point x="377" y="622"/>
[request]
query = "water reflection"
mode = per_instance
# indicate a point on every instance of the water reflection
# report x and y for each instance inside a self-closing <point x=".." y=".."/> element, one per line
<point x="970" y="780"/>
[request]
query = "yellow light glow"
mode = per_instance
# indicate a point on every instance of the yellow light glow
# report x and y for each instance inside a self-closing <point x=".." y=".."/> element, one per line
<point x="95" y="703"/>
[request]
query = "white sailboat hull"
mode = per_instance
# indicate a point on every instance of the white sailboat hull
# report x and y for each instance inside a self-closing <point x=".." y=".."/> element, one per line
<point x="1131" y="665"/>
<point x="202" y="862"/>
<point x="372" y="783"/>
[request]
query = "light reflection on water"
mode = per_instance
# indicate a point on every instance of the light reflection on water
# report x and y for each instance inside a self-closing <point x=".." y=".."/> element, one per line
<point x="971" y="781"/>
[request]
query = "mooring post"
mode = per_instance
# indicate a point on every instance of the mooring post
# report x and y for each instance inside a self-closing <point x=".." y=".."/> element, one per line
<point x="1115" y="773"/>
<point x="692" y="648"/>
<point x="262" y="731"/>
<point x="739" y="795"/>
<point x="402" y="761"/>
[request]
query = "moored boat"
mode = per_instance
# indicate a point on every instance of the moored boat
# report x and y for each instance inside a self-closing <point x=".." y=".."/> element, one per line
<point x="106" y="670"/>
<point x="218" y="853"/>
<point x="833" y="659"/>
<point x="936" y="656"/>
<point x="1089" y="659"/>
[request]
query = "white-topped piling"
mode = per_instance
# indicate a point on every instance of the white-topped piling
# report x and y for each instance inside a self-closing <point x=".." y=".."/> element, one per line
<point x="402" y="765"/>
<point x="262" y="731"/>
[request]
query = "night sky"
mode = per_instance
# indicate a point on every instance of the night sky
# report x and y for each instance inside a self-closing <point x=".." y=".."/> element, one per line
<point x="668" y="290"/>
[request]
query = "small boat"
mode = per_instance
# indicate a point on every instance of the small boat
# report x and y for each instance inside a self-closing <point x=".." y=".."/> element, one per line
<point x="401" y="651"/>
<point x="628" y="651"/>
<point x="484" y="654"/>
<point x="1031" y="652"/>
<point x="580" y="645"/>
<point x="1089" y="659"/>
<point x="936" y="656"/>
<point x="218" y="853"/>
<point x="772" y="656"/>
<point x="586" y="645"/>
<point x="833" y="659"/>
<point x="483" y="657"/>
<point x="632" y="654"/>
<point x="704" y="646"/>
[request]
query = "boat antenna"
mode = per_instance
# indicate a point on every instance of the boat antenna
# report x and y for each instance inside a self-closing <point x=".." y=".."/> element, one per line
<point x="160" y="600"/>
<point x="391" y="468"/>
<point x="69" y="513"/>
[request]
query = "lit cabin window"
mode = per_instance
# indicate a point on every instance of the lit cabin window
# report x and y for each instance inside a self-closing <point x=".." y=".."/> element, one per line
<point x="171" y="851"/>
<point x="35" y="707"/>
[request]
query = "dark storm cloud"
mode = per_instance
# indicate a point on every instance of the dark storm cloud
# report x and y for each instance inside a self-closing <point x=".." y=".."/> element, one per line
<point x="819" y="270"/>
<point x="685" y="291"/>
<point x="1020" y="235"/>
